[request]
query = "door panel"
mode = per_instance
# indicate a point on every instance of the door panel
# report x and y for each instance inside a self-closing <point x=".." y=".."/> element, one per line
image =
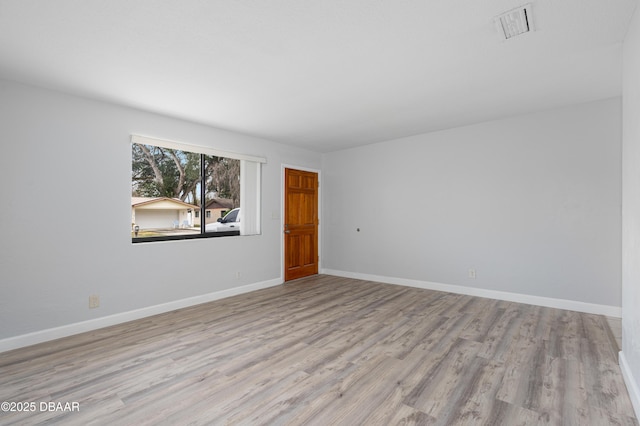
<point x="300" y="224"/>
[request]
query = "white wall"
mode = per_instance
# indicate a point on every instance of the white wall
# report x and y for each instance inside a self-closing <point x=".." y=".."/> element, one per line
<point x="532" y="203"/>
<point x="66" y="212"/>
<point x="630" y="356"/>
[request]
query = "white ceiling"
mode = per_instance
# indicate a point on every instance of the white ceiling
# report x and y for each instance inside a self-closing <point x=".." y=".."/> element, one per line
<point x="324" y="74"/>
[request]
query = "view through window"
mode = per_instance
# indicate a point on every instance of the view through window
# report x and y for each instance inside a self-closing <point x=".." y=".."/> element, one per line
<point x="181" y="194"/>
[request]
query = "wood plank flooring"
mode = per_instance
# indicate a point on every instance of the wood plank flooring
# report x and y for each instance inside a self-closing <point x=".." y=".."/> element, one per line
<point x="330" y="351"/>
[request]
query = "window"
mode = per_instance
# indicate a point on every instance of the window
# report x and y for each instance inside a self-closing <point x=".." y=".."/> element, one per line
<point x="172" y="184"/>
<point x="231" y="217"/>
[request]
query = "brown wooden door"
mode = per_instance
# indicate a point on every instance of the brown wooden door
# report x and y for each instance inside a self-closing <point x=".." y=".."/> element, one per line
<point x="300" y="224"/>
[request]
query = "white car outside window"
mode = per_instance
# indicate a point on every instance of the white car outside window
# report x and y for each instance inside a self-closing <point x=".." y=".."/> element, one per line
<point x="230" y="222"/>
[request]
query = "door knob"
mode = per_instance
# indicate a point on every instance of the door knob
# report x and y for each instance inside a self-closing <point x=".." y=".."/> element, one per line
<point x="287" y="232"/>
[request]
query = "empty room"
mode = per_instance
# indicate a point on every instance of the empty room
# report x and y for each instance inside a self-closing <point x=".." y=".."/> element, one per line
<point x="359" y="212"/>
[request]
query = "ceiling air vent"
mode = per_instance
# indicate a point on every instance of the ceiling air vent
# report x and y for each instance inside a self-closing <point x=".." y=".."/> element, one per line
<point x="515" y="22"/>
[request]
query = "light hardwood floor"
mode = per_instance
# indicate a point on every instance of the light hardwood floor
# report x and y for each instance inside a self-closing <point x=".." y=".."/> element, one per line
<point x="331" y="351"/>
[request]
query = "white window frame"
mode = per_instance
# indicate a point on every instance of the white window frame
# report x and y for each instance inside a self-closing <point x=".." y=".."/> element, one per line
<point x="250" y="182"/>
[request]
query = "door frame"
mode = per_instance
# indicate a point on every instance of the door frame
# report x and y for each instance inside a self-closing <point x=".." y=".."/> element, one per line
<point x="284" y="166"/>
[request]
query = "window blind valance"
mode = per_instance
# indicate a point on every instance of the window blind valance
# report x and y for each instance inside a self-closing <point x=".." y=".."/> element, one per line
<point x="146" y="140"/>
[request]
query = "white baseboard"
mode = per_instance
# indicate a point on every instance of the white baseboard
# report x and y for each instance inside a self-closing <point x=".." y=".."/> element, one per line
<point x="571" y="305"/>
<point x="94" y="324"/>
<point x="632" y="386"/>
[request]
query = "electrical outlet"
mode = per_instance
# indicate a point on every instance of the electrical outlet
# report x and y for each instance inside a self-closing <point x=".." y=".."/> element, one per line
<point x="472" y="273"/>
<point x="238" y="275"/>
<point x="94" y="301"/>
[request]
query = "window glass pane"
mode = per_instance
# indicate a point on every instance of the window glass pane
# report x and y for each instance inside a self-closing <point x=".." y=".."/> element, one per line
<point x="164" y="191"/>
<point x="222" y="183"/>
